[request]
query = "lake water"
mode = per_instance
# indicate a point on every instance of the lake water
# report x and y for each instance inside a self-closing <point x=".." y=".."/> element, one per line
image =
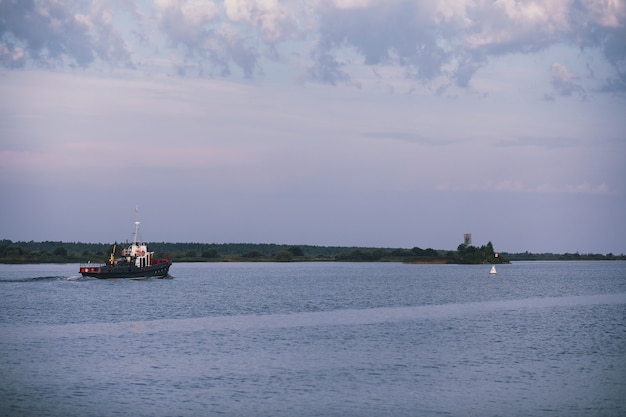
<point x="316" y="339"/>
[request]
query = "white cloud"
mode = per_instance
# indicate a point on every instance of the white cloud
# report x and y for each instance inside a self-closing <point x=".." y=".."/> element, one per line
<point x="199" y="11"/>
<point x="353" y="4"/>
<point x="608" y="13"/>
<point x="442" y="43"/>
<point x="272" y="19"/>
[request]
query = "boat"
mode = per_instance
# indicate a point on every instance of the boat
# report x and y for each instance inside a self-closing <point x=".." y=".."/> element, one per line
<point x="136" y="262"/>
<point x="493" y="270"/>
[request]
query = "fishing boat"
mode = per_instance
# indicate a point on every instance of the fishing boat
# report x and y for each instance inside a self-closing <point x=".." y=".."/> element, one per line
<point x="136" y="262"/>
<point x="493" y="270"/>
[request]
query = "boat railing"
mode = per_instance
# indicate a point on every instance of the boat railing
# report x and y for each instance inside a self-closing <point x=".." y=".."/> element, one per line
<point x="91" y="264"/>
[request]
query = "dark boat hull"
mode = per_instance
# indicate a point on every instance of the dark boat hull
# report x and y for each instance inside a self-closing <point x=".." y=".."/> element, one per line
<point x="159" y="270"/>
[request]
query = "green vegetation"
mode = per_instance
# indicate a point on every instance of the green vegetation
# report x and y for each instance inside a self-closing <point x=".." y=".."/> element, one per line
<point x="467" y="254"/>
<point x="70" y="252"/>
<point x="528" y="256"/>
<point x="51" y="252"/>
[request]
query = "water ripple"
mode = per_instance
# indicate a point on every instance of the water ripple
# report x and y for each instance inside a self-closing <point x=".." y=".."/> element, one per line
<point x="307" y="319"/>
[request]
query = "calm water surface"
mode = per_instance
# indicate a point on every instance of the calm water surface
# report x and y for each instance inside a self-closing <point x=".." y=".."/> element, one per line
<point x="316" y="339"/>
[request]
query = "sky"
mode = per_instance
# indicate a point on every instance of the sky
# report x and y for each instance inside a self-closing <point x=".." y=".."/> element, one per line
<point x="374" y="123"/>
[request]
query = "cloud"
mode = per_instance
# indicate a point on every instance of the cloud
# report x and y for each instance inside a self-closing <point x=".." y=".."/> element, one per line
<point x="407" y="137"/>
<point x="273" y="21"/>
<point x="214" y="37"/>
<point x="518" y="186"/>
<point x="433" y="39"/>
<point x="434" y="42"/>
<point x="564" y="82"/>
<point x="47" y="31"/>
<point x="542" y="142"/>
<point x="109" y="44"/>
<point x="389" y="33"/>
<point x="186" y="22"/>
<point x="12" y="56"/>
<point x="208" y="44"/>
<point x="52" y="33"/>
<point x="327" y="69"/>
<point x="614" y="48"/>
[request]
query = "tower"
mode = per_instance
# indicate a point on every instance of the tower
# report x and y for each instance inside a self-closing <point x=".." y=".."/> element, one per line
<point x="467" y="239"/>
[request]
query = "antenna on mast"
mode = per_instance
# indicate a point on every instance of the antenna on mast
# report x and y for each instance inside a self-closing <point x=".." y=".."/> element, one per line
<point x="136" y="234"/>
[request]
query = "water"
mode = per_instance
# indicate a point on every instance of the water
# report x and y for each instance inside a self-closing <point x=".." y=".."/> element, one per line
<point x="316" y="339"/>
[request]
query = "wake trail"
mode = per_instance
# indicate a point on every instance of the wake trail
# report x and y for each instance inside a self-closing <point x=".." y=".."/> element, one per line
<point x="346" y="317"/>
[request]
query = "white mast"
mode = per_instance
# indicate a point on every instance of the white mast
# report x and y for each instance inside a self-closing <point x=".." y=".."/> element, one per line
<point x="136" y="236"/>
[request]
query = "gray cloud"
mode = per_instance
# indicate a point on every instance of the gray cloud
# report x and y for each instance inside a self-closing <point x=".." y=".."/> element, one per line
<point x="56" y="33"/>
<point x="614" y="48"/>
<point x="386" y="34"/>
<point x="564" y="82"/>
<point x="45" y="31"/>
<point x="430" y="40"/>
<point x="211" y="43"/>
<point x="327" y="69"/>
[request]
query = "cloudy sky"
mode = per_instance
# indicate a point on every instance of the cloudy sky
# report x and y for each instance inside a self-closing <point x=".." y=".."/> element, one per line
<point x="327" y="122"/>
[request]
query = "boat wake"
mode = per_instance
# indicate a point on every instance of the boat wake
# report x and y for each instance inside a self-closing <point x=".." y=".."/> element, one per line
<point x="49" y="278"/>
<point x="78" y="278"/>
<point x="168" y="276"/>
<point x="309" y="319"/>
<point x="46" y="278"/>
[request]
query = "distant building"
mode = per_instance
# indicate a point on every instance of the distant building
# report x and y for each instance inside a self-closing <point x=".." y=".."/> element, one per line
<point x="467" y="239"/>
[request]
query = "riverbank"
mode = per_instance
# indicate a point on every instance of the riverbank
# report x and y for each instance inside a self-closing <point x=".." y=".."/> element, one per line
<point x="77" y="252"/>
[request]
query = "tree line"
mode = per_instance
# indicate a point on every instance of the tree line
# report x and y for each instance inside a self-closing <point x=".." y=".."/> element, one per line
<point x="576" y="256"/>
<point x="69" y="252"/>
<point x="57" y="251"/>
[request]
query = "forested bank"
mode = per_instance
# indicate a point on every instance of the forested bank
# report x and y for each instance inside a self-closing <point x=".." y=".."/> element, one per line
<point x="529" y="256"/>
<point x="69" y="252"/>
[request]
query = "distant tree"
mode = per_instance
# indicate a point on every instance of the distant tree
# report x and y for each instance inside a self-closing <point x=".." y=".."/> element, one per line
<point x="417" y="251"/>
<point x="60" y="251"/>
<point x="361" y="255"/>
<point x="211" y="253"/>
<point x="4" y="245"/>
<point x="191" y="254"/>
<point x="401" y="253"/>
<point x="284" y="256"/>
<point x="14" y="251"/>
<point x="296" y="251"/>
<point x="253" y="254"/>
